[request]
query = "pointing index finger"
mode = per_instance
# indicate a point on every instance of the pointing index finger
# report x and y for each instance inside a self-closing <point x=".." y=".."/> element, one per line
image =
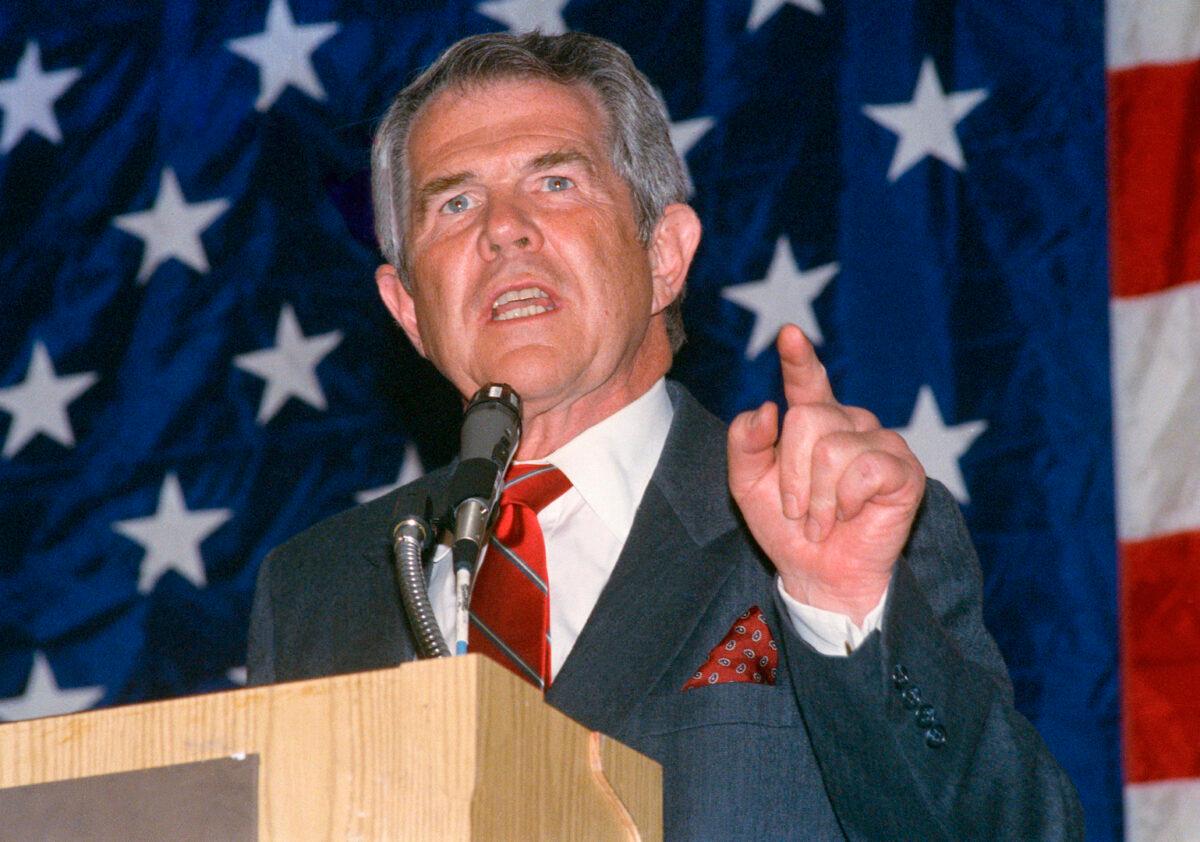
<point x="804" y="378"/>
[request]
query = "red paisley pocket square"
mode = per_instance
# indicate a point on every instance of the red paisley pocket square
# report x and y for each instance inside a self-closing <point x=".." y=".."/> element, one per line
<point x="747" y="653"/>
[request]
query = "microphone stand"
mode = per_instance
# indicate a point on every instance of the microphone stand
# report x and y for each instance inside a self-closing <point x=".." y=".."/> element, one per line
<point x="491" y="433"/>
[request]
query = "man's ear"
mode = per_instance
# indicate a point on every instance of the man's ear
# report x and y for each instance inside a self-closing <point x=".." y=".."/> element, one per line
<point x="399" y="303"/>
<point x="676" y="236"/>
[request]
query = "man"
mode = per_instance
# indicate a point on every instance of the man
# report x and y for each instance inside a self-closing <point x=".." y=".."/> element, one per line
<point x="532" y="211"/>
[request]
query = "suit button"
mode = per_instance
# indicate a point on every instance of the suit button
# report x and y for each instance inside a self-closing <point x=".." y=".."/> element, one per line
<point x="911" y="697"/>
<point x="935" y="737"/>
<point x="926" y="716"/>
<point x="899" y="676"/>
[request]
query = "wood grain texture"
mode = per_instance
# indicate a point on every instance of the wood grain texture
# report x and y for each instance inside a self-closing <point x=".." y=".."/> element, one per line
<point x="635" y="785"/>
<point x="449" y="749"/>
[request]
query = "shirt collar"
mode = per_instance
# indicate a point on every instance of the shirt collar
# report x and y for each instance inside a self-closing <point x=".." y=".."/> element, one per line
<point x="610" y="463"/>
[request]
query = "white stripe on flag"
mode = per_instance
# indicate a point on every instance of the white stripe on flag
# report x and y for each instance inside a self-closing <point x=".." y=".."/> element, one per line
<point x="1156" y="388"/>
<point x="1163" y="811"/>
<point x="1152" y="32"/>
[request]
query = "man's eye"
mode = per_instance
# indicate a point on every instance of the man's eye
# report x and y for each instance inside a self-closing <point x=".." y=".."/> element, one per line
<point x="458" y="204"/>
<point x="556" y="183"/>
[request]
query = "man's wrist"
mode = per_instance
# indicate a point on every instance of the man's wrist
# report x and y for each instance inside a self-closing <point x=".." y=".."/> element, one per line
<point x="854" y="601"/>
<point x="830" y="632"/>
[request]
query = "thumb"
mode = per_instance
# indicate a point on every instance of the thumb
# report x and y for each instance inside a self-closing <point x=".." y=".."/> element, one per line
<point x="751" y="444"/>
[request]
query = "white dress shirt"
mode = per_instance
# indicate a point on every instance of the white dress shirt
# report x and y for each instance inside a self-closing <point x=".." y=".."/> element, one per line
<point x="609" y="466"/>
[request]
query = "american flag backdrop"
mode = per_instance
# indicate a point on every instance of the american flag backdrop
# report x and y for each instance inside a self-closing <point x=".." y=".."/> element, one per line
<point x="194" y="365"/>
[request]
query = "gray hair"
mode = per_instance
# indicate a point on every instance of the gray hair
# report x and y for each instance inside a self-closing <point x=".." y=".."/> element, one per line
<point x="638" y="127"/>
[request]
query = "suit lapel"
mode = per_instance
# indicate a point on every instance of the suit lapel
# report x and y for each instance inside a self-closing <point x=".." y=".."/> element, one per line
<point x="381" y="634"/>
<point x="674" y="563"/>
<point x="650" y="606"/>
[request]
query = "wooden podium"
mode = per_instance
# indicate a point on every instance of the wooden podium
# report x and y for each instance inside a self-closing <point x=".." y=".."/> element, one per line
<point x="449" y="749"/>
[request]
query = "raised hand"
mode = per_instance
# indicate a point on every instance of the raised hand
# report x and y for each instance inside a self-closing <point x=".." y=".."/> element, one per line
<point x="830" y="499"/>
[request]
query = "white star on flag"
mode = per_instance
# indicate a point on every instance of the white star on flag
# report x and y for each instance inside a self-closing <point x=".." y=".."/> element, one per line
<point x="38" y="404"/>
<point x="410" y="469"/>
<point x="785" y="295"/>
<point x="171" y="228"/>
<point x="289" y="368"/>
<point x="764" y="10"/>
<point x="527" y="15"/>
<point x="27" y="98"/>
<point x="43" y="696"/>
<point x="283" y="52"/>
<point x="687" y="133"/>
<point x="172" y="535"/>
<point x="926" y="125"/>
<point x="236" y="675"/>
<point x="939" y="446"/>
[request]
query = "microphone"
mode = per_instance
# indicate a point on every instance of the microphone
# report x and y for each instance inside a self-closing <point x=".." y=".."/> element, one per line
<point x="491" y="431"/>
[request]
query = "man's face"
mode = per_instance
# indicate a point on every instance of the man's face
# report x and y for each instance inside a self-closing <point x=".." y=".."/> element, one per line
<point x="526" y="266"/>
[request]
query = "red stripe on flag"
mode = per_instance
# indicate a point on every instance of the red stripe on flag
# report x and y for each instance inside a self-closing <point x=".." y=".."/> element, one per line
<point x="1160" y="637"/>
<point x="1154" y="177"/>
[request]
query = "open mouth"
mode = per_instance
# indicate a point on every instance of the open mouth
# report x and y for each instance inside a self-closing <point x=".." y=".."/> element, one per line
<point x="519" y="303"/>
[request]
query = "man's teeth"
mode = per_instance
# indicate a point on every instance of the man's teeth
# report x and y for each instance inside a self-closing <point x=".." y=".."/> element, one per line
<point x="531" y="310"/>
<point x="518" y="294"/>
<point x="519" y="312"/>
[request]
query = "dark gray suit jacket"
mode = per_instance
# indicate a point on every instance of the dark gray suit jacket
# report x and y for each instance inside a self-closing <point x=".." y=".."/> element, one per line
<point x="829" y="752"/>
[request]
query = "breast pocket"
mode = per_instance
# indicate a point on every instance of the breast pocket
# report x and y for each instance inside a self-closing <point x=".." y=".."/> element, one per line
<point x="720" y="704"/>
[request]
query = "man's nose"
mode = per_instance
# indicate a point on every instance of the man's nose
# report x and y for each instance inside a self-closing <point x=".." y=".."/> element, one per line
<point x="508" y="228"/>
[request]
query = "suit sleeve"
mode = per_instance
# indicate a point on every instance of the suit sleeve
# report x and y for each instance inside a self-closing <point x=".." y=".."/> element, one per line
<point x="915" y="732"/>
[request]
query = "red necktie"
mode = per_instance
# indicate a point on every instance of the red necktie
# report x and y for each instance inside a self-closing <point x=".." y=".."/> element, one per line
<point x="510" y="600"/>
